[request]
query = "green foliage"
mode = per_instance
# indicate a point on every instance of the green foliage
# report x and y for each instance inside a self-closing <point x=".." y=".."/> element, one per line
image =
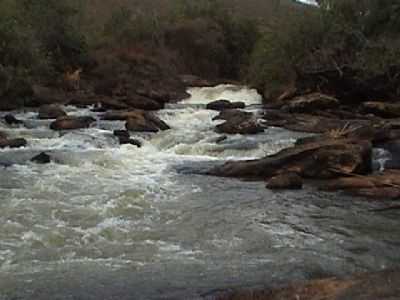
<point x="238" y="35"/>
<point x="126" y="27"/>
<point x="358" y="35"/>
<point x="37" y="39"/>
<point x="55" y="26"/>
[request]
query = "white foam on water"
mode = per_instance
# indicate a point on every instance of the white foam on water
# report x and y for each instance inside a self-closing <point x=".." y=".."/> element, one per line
<point x="234" y="93"/>
<point x="100" y="200"/>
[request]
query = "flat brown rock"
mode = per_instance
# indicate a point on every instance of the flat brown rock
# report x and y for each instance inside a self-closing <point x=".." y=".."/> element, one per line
<point x="383" y="285"/>
<point x="312" y="160"/>
<point x="71" y="123"/>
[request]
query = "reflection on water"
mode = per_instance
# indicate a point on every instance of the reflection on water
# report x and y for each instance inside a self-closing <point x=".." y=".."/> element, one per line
<point x="104" y="221"/>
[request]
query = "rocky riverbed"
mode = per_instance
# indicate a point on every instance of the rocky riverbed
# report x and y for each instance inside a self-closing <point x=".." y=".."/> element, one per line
<point x="101" y="203"/>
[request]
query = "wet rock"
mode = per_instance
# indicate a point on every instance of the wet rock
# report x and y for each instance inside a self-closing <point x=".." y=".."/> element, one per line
<point x="347" y="183"/>
<point x="121" y="115"/>
<point x="238" y="122"/>
<point x="11" y="120"/>
<point x="126" y="141"/>
<point x="381" y="109"/>
<point x="325" y="159"/>
<point x="383" y="185"/>
<point x="124" y="138"/>
<point x="221" y="105"/>
<point x="234" y="114"/>
<point x="41" y="158"/>
<point x="144" y="122"/>
<point x="384" y="285"/>
<point x="250" y="126"/>
<point x="51" y="111"/>
<point x="310" y="123"/>
<point x="3" y="135"/>
<point x="221" y="139"/>
<point x="71" y="123"/>
<point x="122" y="133"/>
<point x="288" y="180"/>
<point x="311" y="102"/>
<point x="13" y="143"/>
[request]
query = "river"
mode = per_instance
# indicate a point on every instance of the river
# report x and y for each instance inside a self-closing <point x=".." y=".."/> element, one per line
<point x="104" y="221"/>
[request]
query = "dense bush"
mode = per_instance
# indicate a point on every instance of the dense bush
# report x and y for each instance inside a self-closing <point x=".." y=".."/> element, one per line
<point x="38" y="39"/>
<point x="228" y="39"/>
<point x="126" y="27"/>
<point x="342" y="35"/>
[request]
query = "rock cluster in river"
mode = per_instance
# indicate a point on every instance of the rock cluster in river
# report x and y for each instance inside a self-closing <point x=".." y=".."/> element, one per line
<point x="238" y="122"/>
<point x="340" y="155"/>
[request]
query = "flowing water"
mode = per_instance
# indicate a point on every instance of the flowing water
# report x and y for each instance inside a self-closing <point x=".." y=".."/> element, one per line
<point x="104" y="221"/>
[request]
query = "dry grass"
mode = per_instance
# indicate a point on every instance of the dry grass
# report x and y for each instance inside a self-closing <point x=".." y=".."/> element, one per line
<point x="339" y="133"/>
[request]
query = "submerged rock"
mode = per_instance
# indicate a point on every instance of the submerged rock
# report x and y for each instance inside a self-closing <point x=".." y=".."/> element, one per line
<point x="41" y="158"/>
<point x="129" y="141"/>
<point x="71" y="123"/>
<point x="11" y="120"/>
<point x="52" y="111"/>
<point x="13" y="143"/>
<point x="288" y="180"/>
<point x="124" y="138"/>
<point x="221" y="105"/>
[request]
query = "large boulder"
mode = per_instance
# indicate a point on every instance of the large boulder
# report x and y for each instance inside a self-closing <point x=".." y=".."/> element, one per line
<point x="51" y="111"/>
<point x="221" y="105"/>
<point x="71" y="123"/>
<point x="311" y="123"/>
<point x="288" y="180"/>
<point x="325" y="159"/>
<point x="250" y="126"/>
<point x="238" y="122"/>
<point x="311" y="102"/>
<point x="145" y="122"/>
<point x="12" y="143"/>
<point x="381" y="109"/>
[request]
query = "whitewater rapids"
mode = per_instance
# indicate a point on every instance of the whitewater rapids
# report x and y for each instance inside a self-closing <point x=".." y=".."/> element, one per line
<point x="104" y="221"/>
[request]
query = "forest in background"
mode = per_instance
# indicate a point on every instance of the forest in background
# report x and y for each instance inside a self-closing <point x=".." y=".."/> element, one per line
<point x="346" y="47"/>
